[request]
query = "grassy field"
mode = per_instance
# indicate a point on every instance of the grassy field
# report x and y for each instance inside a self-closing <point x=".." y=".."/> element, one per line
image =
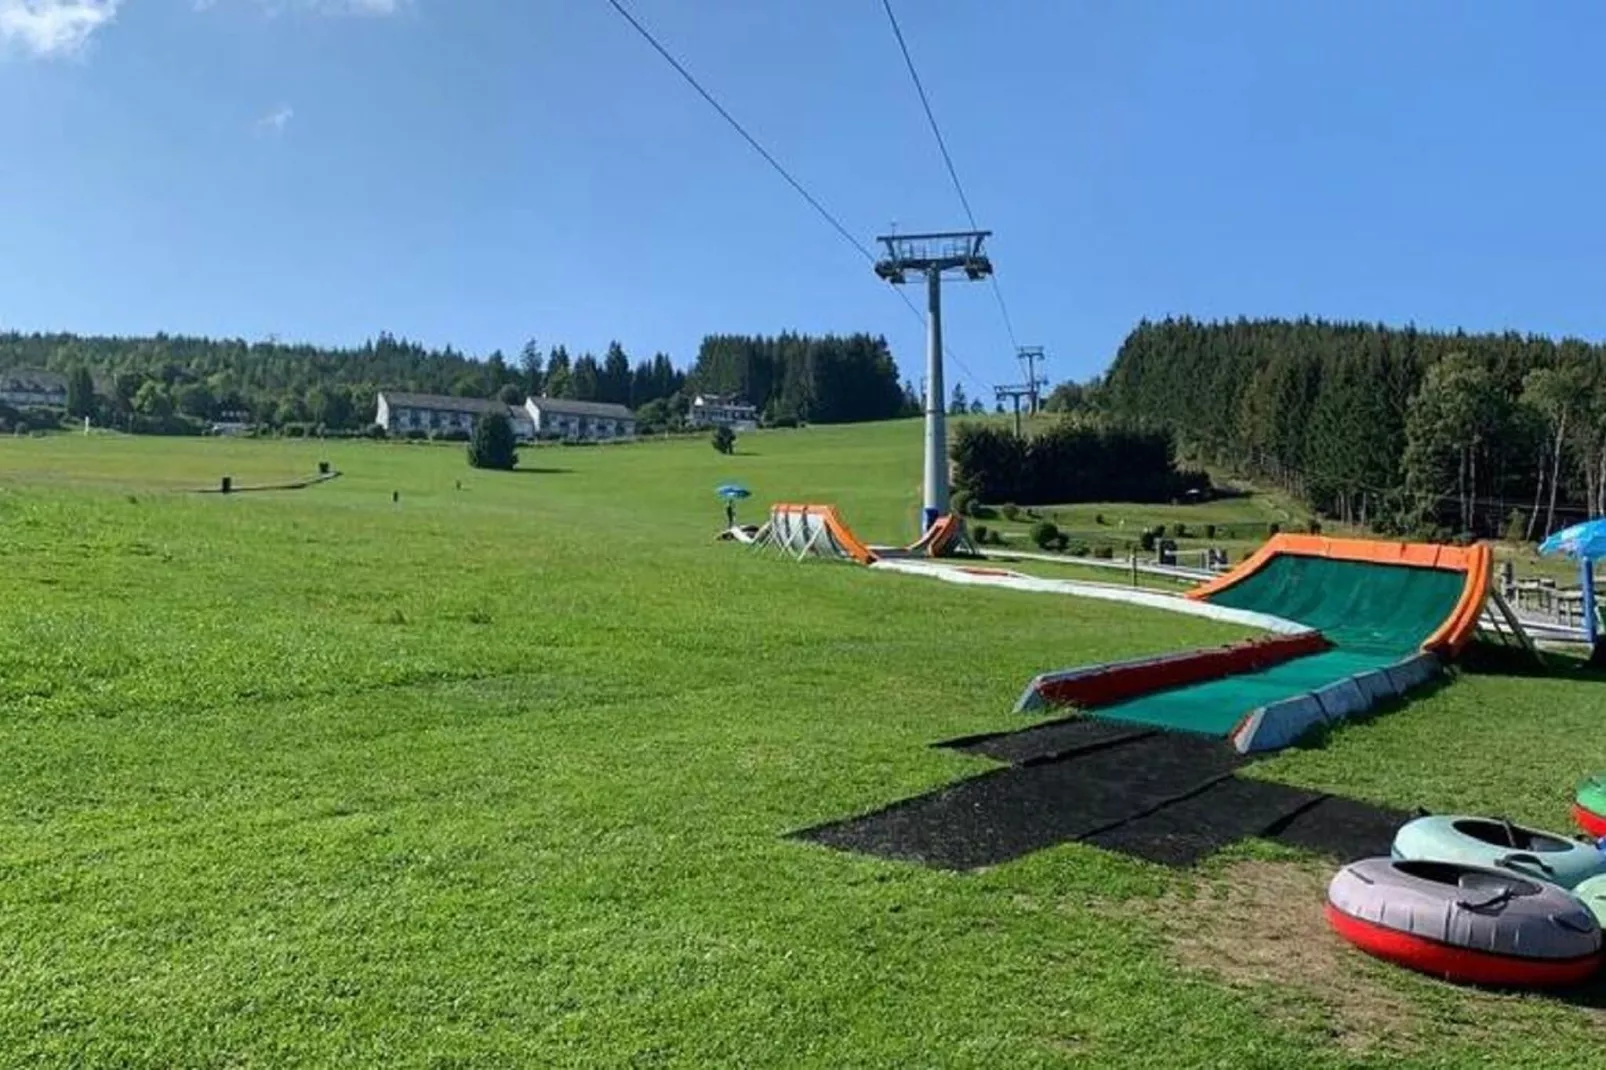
<point x="499" y="773"/>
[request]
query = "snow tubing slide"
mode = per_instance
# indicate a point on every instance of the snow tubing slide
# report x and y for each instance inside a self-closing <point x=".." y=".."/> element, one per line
<point x="1490" y="843"/>
<point x="819" y="530"/>
<point x="1465" y="924"/>
<point x="1589" y="805"/>
<point x="1395" y="612"/>
<point x="1385" y="614"/>
<point x="804" y="530"/>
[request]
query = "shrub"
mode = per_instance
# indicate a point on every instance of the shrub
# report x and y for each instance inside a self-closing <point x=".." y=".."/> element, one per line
<point x="724" y="440"/>
<point x="1078" y="550"/>
<point x="1061" y="542"/>
<point x="1313" y="526"/>
<point x="1010" y="510"/>
<point x="1146" y="541"/>
<point x="1517" y="526"/>
<point x="456" y="434"/>
<point x="295" y="430"/>
<point x="1099" y="520"/>
<point x="1104" y="553"/>
<point x="963" y="503"/>
<point x="415" y="434"/>
<point x="1179" y="530"/>
<point x="375" y="431"/>
<point x="493" y="445"/>
<point x="980" y="534"/>
<point x="1274" y="529"/>
<point x="1045" y="535"/>
<point x="1210" y="531"/>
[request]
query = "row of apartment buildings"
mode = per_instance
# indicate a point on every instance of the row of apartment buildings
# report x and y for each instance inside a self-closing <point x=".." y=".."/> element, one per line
<point x="399" y="412"/>
<point x="33" y="389"/>
<point x="590" y="421"/>
<point x="587" y="421"/>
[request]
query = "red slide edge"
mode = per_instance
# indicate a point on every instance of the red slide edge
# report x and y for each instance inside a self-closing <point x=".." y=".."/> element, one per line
<point x="1119" y="683"/>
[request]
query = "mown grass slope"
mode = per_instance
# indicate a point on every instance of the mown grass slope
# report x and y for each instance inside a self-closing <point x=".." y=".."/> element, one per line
<point x="499" y="774"/>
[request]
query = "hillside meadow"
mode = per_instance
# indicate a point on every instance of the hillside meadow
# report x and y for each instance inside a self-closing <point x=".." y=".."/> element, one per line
<point x="428" y="766"/>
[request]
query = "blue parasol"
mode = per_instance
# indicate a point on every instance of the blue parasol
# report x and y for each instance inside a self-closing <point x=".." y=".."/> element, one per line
<point x="1586" y="543"/>
<point x="732" y="491"/>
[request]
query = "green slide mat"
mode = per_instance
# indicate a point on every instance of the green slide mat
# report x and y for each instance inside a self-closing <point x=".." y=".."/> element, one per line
<point x="1374" y="615"/>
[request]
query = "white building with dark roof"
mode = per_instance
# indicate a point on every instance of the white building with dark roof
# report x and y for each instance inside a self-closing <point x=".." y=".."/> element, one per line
<point x="591" y="421"/>
<point x="33" y="389"/>
<point x="714" y="410"/>
<point x="399" y="413"/>
<point x="586" y="421"/>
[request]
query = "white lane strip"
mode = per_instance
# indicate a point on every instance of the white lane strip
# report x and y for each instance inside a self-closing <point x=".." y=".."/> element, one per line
<point x="988" y="576"/>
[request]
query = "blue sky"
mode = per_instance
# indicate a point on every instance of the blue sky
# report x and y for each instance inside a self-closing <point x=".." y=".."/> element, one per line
<point x="475" y="172"/>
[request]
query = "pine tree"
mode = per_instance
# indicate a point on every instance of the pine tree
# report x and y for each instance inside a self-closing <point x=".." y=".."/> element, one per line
<point x="958" y="405"/>
<point x="80" y="393"/>
<point x="530" y="368"/>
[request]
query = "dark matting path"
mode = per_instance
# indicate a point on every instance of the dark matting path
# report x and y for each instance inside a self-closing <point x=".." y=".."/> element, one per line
<point x="1167" y="797"/>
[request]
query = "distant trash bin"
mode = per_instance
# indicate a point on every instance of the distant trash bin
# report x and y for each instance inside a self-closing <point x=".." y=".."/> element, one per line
<point x="228" y="484"/>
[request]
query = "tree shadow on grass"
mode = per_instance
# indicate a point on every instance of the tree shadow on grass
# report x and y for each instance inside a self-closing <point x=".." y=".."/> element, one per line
<point x="1490" y="659"/>
<point x="522" y="471"/>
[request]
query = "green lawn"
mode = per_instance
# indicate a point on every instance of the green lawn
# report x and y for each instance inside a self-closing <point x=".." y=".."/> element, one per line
<point x="500" y="776"/>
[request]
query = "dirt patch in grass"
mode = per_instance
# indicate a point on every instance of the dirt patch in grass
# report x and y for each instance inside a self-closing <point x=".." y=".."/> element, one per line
<point x="1259" y="924"/>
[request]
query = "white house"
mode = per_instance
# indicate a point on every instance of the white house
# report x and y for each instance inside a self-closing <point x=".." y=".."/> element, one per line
<point x="592" y="421"/>
<point x="523" y="423"/>
<point x="399" y="413"/>
<point x="33" y="389"/>
<point x="712" y="410"/>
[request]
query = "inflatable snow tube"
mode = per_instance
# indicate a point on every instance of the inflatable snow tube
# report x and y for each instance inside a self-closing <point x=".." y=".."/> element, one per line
<point x="1589" y="805"/>
<point x="1464" y="923"/>
<point x="1592" y="893"/>
<point x="1496" y="844"/>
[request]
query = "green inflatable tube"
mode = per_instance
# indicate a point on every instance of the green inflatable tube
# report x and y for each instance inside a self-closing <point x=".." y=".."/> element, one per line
<point x="1589" y="805"/>
<point x="1495" y="844"/>
<point x="1593" y="895"/>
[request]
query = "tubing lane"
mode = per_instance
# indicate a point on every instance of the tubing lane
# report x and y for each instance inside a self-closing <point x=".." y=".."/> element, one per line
<point x="1017" y="581"/>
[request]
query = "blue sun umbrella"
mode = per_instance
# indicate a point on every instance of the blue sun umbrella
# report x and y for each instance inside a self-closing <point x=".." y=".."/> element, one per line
<point x="732" y="491"/>
<point x="1585" y="543"/>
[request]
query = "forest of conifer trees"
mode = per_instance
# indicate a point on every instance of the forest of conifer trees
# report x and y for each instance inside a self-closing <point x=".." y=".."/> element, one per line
<point x="176" y="384"/>
<point x="1399" y="429"/>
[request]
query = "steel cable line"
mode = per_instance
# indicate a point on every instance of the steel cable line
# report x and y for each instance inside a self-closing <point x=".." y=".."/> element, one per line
<point x="757" y="147"/>
<point x="947" y="159"/>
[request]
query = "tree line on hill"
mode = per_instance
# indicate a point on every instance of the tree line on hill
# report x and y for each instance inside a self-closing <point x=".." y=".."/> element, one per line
<point x="1401" y="430"/>
<point x="1075" y="460"/>
<point x="796" y="378"/>
<point x="178" y="384"/>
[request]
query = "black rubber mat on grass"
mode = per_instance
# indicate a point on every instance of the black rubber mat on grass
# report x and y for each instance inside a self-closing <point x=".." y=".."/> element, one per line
<point x="1200" y="825"/>
<point x="1167" y="797"/>
<point x="1347" y="829"/>
<point x="1055" y="739"/>
<point x="1010" y="812"/>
